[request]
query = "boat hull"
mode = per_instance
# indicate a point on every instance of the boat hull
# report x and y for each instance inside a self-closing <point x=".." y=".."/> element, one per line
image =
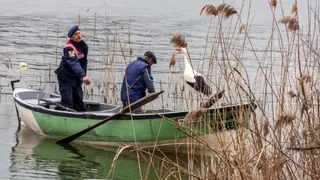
<point x="135" y="129"/>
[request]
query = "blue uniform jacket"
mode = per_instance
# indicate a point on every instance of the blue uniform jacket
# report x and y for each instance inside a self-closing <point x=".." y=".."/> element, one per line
<point x="73" y="65"/>
<point x="134" y="81"/>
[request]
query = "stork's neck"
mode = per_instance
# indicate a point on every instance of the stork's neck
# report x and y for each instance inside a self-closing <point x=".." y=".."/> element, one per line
<point x="187" y="65"/>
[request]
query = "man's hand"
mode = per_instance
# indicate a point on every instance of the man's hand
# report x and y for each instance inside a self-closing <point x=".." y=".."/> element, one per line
<point x="86" y="80"/>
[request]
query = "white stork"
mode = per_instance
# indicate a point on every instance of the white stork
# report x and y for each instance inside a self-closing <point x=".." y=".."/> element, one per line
<point x="192" y="77"/>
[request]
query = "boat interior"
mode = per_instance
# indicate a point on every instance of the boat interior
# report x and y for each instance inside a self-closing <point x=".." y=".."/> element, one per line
<point x="53" y="101"/>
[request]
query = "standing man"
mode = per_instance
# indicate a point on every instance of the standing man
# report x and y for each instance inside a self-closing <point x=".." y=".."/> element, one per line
<point x="72" y="71"/>
<point x="137" y="79"/>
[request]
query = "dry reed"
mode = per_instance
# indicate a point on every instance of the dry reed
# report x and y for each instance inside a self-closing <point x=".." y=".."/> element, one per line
<point x="178" y="41"/>
<point x="172" y="59"/>
<point x="6" y="61"/>
<point x="290" y="22"/>
<point x="225" y="10"/>
<point x="292" y="94"/>
<point x="273" y="3"/>
<point x="209" y="9"/>
<point x="242" y="28"/>
<point x="284" y="120"/>
<point x="265" y="127"/>
<point x="294" y="9"/>
<point x="304" y="79"/>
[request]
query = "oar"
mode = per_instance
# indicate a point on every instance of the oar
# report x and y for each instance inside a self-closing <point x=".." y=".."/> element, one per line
<point x="148" y="98"/>
<point x="57" y="104"/>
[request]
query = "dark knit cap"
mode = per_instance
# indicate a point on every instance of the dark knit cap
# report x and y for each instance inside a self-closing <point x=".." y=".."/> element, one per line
<point x="72" y="30"/>
<point x="149" y="54"/>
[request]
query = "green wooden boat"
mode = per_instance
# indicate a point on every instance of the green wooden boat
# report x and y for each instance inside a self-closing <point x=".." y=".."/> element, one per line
<point x="151" y="128"/>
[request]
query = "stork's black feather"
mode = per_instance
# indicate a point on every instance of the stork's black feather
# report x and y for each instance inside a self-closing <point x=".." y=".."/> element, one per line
<point x="213" y="99"/>
<point x="200" y="85"/>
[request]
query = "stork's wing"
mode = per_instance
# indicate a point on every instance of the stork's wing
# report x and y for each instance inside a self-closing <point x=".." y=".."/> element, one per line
<point x="201" y="86"/>
<point x="213" y="99"/>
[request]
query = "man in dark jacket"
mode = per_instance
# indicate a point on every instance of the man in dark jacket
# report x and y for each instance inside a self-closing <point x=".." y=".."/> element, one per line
<point x="137" y="79"/>
<point x="72" y="71"/>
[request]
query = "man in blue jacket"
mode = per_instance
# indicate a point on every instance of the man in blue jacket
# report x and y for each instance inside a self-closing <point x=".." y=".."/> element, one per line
<point x="72" y="71"/>
<point x="137" y="79"/>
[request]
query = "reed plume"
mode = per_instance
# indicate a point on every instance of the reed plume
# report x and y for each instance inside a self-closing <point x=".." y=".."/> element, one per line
<point x="172" y="59"/>
<point x="284" y="120"/>
<point x="242" y="28"/>
<point x="273" y="3"/>
<point x="304" y="79"/>
<point x="290" y="22"/>
<point x="225" y="10"/>
<point x="294" y="9"/>
<point x="285" y="19"/>
<point x="305" y="134"/>
<point x="265" y="127"/>
<point x="292" y="94"/>
<point x="209" y="10"/>
<point x="178" y="41"/>
<point x="276" y="167"/>
<point x="293" y="24"/>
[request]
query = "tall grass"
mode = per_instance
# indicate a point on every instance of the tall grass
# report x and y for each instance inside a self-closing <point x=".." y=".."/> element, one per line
<point x="282" y="140"/>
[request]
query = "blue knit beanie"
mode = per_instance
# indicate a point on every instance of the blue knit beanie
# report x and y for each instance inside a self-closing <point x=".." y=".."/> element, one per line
<point x="72" y="30"/>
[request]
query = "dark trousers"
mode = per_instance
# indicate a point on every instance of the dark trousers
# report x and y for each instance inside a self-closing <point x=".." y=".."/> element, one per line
<point x="71" y="96"/>
<point x="126" y="103"/>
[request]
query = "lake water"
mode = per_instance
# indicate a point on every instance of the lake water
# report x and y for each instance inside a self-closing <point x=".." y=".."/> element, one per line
<point x="34" y="32"/>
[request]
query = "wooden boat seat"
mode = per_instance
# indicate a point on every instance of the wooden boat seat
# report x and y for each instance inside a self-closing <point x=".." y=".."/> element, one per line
<point x="33" y="101"/>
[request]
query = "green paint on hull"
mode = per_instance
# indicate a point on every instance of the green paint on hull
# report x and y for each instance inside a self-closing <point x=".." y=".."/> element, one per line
<point x="135" y="130"/>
